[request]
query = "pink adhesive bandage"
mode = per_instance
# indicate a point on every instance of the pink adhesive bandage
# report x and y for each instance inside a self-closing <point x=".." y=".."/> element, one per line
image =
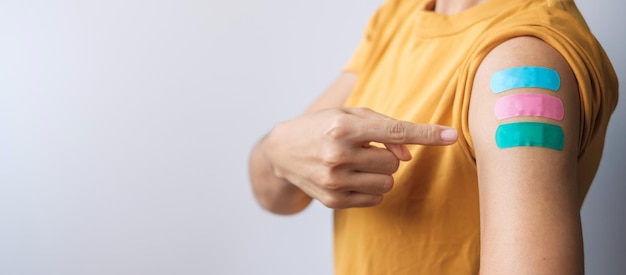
<point x="538" y="105"/>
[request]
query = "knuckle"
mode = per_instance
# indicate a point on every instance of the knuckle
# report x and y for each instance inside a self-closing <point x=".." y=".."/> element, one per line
<point x="334" y="158"/>
<point x="397" y="130"/>
<point x="338" y="128"/>
<point x="403" y="132"/>
<point x="279" y="172"/>
<point x="331" y="201"/>
<point x="362" y="110"/>
<point x="328" y="181"/>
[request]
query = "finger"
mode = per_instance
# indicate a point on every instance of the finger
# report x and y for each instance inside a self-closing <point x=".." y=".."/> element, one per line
<point x="374" y="160"/>
<point x="350" y="199"/>
<point x="364" y="200"/>
<point x="399" y="150"/>
<point x="368" y="183"/>
<point x="404" y="132"/>
<point x="384" y="129"/>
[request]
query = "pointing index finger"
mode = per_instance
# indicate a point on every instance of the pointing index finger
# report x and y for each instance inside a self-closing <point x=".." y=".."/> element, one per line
<point x="404" y="132"/>
<point x="377" y="127"/>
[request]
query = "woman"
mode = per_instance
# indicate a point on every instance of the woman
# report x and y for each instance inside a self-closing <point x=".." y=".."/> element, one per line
<point x="525" y="93"/>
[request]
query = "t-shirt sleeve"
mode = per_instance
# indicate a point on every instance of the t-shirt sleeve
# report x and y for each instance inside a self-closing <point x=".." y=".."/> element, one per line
<point x="360" y="56"/>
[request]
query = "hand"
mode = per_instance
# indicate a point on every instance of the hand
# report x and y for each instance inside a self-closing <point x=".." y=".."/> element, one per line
<point x="327" y="154"/>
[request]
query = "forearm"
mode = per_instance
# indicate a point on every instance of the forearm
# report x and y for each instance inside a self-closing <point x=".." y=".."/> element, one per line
<point x="273" y="193"/>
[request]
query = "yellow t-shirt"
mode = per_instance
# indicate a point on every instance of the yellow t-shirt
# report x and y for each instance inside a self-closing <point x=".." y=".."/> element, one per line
<point x="417" y="65"/>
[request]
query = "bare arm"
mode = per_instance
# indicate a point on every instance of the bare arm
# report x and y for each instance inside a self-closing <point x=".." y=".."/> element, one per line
<point x="530" y="221"/>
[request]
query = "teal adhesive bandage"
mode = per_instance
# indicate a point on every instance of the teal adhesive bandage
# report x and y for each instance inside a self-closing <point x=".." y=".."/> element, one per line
<point x="525" y="77"/>
<point x="530" y="134"/>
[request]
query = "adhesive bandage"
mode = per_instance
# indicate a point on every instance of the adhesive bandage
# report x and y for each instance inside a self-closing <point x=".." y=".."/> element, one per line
<point x="537" y="105"/>
<point x="525" y="77"/>
<point x="534" y="134"/>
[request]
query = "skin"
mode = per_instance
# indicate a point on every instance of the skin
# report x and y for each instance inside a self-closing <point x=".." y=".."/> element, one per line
<point x="530" y="220"/>
<point x="529" y="210"/>
<point x="325" y="154"/>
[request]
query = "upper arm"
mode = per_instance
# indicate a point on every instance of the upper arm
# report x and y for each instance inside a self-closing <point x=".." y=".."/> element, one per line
<point x="530" y="221"/>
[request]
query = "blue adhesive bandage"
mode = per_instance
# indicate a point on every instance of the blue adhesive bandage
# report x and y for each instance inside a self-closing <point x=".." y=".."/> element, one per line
<point x="525" y="77"/>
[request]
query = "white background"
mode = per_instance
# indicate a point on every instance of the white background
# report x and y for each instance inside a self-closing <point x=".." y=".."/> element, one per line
<point x="125" y="127"/>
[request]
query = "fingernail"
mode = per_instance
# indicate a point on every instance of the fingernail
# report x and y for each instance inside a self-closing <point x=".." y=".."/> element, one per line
<point x="448" y="135"/>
